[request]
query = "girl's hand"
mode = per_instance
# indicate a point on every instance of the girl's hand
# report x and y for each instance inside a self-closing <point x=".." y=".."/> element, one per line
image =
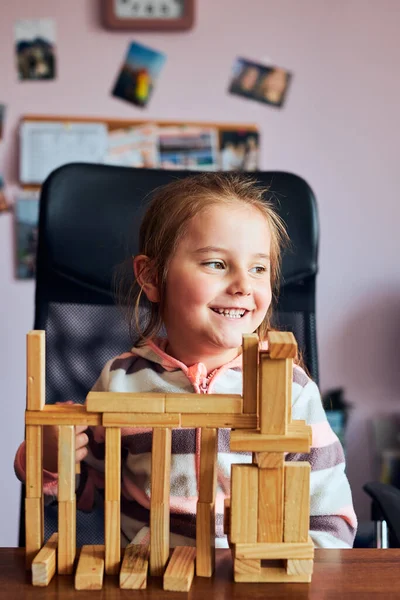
<point x="50" y="446"/>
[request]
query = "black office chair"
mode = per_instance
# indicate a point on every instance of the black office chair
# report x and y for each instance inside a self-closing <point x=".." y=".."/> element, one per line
<point x="89" y="220"/>
<point x="385" y="513"/>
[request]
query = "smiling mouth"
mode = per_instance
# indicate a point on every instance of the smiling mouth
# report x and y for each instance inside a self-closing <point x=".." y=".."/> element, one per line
<point x="231" y="313"/>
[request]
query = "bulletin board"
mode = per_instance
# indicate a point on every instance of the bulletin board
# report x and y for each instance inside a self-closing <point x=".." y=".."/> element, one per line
<point x="47" y="142"/>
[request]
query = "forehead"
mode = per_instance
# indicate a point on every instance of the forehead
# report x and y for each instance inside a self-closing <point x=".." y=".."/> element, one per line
<point x="234" y="225"/>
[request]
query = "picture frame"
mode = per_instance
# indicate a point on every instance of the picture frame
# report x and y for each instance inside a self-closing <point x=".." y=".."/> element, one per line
<point x="152" y="15"/>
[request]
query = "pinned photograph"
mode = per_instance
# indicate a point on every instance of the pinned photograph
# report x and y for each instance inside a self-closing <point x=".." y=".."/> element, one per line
<point x="266" y="84"/>
<point x="26" y="234"/>
<point x="2" y="117"/>
<point x="239" y="150"/>
<point x="188" y="147"/>
<point x="4" y="207"/>
<point x="138" y="75"/>
<point x="35" y="41"/>
<point x="133" y="147"/>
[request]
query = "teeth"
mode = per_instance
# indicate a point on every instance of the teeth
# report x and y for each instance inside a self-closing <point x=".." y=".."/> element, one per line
<point x="233" y="312"/>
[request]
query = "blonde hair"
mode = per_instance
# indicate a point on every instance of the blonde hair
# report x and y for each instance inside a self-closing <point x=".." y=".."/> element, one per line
<point x="165" y="223"/>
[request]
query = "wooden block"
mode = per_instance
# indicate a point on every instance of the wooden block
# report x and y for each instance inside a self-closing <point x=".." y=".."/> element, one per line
<point x="141" y="420"/>
<point x="208" y="465"/>
<point x="227" y="516"/>
<point x="274" y="551"/>
<point x="295" y="440"/>
<point x="297" y="502"/>
<point x="271" y="574"/>
<point x="161" y="466"/>
<point x="125" y="402"/>
<point x="113" y="464"/>
<point x="250" y="372"/>
<point x="231" y="421"/>
<point x="44" y="563"/>
<point x="35" y="370"/>
<point x="270" y="505"/>
<point x="244" y="503"/>
<point x="33" y="528"/>
<point x="289" y="383"/>
<point x="159" y="538"/>
<point x="34" y="461"/>
<point x="180" y="571"/>
<point x="269" y="460"/>
<point x="66" y="463"/>
<point x="70" y="414"/>
<point x="135" y="564"/>
<point x="282" y="344"/>
<point x="296" y="566"/>
<point x="90" y="570"/>
<point x="204" y="403"/>
<point x="205" y="539"/>
<point x="273" y="406"/>
<point x="66" y="536"/>
<point x="244" y="566"/>
<point x="112" y="536"/>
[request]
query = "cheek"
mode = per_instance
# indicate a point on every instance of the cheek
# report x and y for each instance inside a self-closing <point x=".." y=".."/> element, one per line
<point x="187" y="291"/>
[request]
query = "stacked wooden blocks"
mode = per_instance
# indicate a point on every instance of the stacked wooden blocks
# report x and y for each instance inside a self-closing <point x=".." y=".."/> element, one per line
<point x="266" y="520"/>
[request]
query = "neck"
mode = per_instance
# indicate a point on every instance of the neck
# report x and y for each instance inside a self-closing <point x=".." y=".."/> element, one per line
<point x="210" y="361"/>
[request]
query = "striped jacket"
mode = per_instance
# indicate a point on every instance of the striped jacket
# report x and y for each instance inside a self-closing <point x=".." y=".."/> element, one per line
<point x="149" y="369"/>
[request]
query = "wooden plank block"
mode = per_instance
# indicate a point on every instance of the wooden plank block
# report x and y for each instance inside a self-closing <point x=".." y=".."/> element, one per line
<point x="205" y="539"/>
<point x="231" y="421"/>
<point x="66" y="463"/>
<point x="269" y="460"/>
<point x="273" y="551"/>
<point x="135" y="564"/>
<point x="282" y="344"/>
<point x="244" y="566"/>
<point x="44" y="563"/>
<point x="295" y="440"/>
<point x="250" y="372"/>
<point x="34" y="461"/>
<point x="112" y="536"/>
<point x="297" y="502"/>
<point x="125" y="402"/>
<point x="141" y="420"/>
<point x="289" y="383"/>
<point x="244" y="503"/>
<point x="159" y="500"/>
<point x="90" y="570"/>
<point x="159" y="538"/>
<point x="70" y="414"/>
<point x="113" y="464"/>
<point x="273" y="404"/>
<point x="208" y="465"/>
<point x="204" y="403"/>
<point x="179" y="574"/>
<point x="35" y="370"/>
<point x="270" y="505"/>
<point x="271" y="574"/>
<point x="33" y="528"/>
<point x="66" y="536"/>
<point x="296" y="566"/>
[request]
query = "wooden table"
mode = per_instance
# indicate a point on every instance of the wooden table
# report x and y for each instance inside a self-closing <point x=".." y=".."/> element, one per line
<point x="338" y="574"/>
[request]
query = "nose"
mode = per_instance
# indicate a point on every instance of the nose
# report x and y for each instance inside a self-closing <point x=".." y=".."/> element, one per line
<point x="240" y="284"/>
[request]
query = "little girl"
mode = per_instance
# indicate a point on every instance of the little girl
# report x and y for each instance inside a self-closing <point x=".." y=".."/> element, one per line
<point x="208" y="269"/>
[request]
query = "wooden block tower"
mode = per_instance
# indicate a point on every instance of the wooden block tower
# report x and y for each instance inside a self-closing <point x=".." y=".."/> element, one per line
<point x="270" y="499"/>
<point x="267" y="518"/>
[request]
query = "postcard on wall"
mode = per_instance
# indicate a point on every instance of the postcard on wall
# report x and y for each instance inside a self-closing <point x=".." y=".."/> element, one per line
<point x="4" y="207"/>
<point x="239" y="150"/>
<point x="26" y="233"/>
<point x="266" y="84"/>
<point x="133" y="147"/>
<point x="138" y="75"/>
<point x="188" y="147"/>
<point x="2" y="118"/>
<point x="35" y="47"/>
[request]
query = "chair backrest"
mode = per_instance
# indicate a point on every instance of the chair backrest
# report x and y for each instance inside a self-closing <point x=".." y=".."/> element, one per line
<point x="89" y="220"/>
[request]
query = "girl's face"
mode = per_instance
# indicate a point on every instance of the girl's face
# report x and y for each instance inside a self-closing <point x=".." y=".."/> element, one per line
<point x="218" y="283"/>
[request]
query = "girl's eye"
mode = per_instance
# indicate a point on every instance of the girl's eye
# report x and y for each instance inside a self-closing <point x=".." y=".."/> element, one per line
<point x="260" y="269"/>
<point x="214" y="264"/>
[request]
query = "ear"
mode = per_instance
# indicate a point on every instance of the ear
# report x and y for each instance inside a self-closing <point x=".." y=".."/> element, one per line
<point x="146" y="277"/>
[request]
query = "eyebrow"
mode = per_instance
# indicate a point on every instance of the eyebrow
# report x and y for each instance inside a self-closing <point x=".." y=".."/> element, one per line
<point x="217" y="250"/>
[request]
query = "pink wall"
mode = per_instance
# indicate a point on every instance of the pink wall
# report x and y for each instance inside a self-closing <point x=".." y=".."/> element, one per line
<point x="338" y="130"/>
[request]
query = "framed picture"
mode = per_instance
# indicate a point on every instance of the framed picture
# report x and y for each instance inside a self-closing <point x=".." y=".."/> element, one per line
<point x="155" y="15"/>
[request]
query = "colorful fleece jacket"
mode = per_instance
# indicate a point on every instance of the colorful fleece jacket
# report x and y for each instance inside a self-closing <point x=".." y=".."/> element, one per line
<point x="149" y="369"/>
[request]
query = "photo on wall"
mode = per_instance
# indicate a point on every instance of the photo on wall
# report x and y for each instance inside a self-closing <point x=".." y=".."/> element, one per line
<point x="35" y="41"/>
<point x="2" y="117"/>
<point x="265" y="84"/>
<point x="188" y="147"/>
<point x="137" y="78"/>
<point x="26" y="234"/>
<point x="239" y="150"/>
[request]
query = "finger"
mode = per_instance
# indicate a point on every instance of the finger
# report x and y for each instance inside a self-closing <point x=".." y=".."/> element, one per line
<point x="80" y="454"/>
<point x="81" y="441"/>
<point x="80" y="428"/>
